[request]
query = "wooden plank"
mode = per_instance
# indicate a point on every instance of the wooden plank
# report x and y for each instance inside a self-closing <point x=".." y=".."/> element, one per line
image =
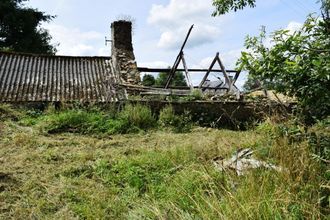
<point x="167" y="93"/>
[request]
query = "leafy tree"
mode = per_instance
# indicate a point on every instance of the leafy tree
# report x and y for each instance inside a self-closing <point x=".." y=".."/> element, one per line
<point x="148" y="80"/>
<point x="224" y="6"/>
<point x="298" y="64"/>
<point x="178" y="79"/>
<point x="20" y="28"/>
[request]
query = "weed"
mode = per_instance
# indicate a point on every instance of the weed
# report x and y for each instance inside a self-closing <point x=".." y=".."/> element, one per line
<point x="138" y="116"/>
<point x="177" y="123"/>
<point x="158" y="174"/>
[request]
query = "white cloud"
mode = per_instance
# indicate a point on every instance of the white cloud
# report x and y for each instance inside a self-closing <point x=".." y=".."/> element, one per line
<point x="154" y="64"/>
<point x="75" y="42"/>
<point x="228" y="58"/>
<point x="294" y="26"/>
<point x="175" y="19"/>
<point x="104" y="51"/>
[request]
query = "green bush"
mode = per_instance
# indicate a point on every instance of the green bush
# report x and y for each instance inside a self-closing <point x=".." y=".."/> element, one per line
<point x="196" y="94"/>
<point x="138" y="116"/>
<point x="178" y="123"/>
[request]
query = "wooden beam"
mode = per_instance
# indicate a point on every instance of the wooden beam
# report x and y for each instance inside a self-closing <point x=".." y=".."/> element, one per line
<point x="167" y="70"/>
<point x="178" y="60"/>
<point x="185" y="41"/>
<point x="208" y="71"/>
<point x="228" y="80"/>
<point x="173" y="70"/>
<point x="187" y="72"/>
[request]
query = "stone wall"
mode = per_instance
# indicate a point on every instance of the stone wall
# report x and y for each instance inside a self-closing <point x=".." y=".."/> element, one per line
<point x="219" y="114"/>
<point x="123" y="53"/>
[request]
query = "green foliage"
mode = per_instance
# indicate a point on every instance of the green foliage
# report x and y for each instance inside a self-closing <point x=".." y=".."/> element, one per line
<point x="297" y="64"/>
<point x="225" y="6"/>
<point x="20" y="28"/>
<point x="76" y="121"/>
<point x="130" y="119"/>
<point x="178" y="79"/>
<point x="139" y="116"/>
<point x="197" y="94"/>
<point x="177" y="123"/>
<point x="148" y="80"/>
<point x="161" y="175"/>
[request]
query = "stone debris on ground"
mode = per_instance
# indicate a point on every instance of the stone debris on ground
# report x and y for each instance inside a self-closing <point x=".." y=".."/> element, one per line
<point x="241" y="162"/>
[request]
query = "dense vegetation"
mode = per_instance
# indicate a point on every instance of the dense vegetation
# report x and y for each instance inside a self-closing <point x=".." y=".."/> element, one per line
<point x="296" y="64"/>
<point x="20" y="29"/>
<point x="51" y="168"/>
<point x="161" y="79"/>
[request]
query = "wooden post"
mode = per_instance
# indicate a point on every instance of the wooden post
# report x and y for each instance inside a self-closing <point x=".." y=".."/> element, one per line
<point x="187" y="72"/>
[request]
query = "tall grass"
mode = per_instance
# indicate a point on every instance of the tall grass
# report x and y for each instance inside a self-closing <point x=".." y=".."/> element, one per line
<point x="132" y="118"/>
<point x="160" y="176"/>
<point x="177" y="123"/>
<point x="138" y="116"/>
<point x="7" y="112"/>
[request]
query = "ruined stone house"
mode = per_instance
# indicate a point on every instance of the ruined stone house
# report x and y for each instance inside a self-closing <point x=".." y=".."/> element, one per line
<point x="42" y="78"/>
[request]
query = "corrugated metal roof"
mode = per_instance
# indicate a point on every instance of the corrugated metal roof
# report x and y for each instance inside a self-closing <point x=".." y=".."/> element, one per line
<point x="27" y="77"/>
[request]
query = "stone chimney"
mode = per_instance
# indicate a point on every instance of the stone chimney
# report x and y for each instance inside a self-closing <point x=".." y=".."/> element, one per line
<point x="122" y="51"/>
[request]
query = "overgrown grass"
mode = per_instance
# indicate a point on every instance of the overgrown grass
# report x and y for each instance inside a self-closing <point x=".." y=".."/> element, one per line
<point x="9" y="113"/>
<point x="131" y="119"/>
<point x="159" y="174"/>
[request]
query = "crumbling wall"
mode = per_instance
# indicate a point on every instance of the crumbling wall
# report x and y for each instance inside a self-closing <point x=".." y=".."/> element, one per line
<point x="123" y="53"/>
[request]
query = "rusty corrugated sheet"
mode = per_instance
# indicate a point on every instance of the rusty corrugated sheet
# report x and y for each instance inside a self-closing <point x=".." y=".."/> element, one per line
<point x="26" y="78"/>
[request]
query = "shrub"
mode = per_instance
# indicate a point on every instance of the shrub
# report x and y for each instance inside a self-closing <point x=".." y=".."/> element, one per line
<point x="178" y="123"/>
<point x="297" y="65"/>
<point x="167" y="117"/>
<point x="138" y="116"/>
<point x="196" y="94"/>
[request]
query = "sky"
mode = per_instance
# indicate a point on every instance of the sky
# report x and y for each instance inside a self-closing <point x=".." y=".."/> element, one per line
<point x="160" y="27"/>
